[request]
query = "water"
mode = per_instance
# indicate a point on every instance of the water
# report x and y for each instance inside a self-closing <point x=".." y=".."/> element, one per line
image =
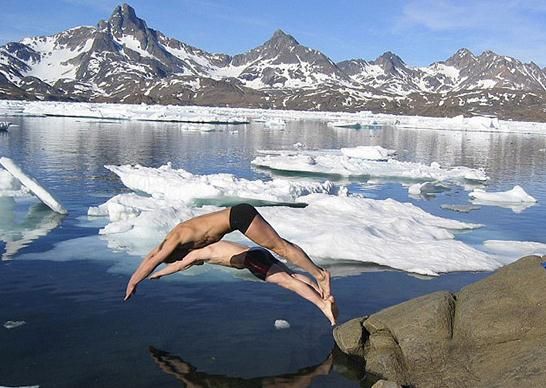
<point x="67" y="285"/>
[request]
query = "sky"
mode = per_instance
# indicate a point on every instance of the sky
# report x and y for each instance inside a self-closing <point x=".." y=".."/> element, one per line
<point x="419" y="31"/>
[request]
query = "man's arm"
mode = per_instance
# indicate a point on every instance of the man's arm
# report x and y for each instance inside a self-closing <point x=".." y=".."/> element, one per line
<point x="197" y="256"/>
<point x="151" y="261"/>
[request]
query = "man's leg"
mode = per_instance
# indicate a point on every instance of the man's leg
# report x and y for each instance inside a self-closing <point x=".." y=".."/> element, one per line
<point x="263" y="234"/>
<point x="277" y="275"/>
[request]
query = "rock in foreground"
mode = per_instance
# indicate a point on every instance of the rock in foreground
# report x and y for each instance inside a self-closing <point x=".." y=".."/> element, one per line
<point x="490" y="334"/>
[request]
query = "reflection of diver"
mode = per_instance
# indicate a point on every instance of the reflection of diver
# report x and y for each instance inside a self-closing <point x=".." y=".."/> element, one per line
<point x="190" y="377"/>
<point x="38" y="222"/>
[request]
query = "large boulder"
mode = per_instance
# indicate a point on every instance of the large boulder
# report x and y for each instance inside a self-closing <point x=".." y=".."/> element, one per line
<point x="490" y="334"/>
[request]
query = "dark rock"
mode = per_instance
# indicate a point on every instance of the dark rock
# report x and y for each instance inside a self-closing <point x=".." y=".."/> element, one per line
<point x="490" y="334"/>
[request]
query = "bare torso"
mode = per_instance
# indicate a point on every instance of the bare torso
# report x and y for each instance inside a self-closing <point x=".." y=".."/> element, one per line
<point x="203" y="230"/>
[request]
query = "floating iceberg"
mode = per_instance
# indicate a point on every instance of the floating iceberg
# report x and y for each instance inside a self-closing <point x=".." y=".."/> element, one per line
<point x="30" y="183"/>
<point x="281" y="324"/>
<point x="275" y="123"/>
<point x="336" y="162"/>
<point x="13" y="324"/>
<point x="515" y="195"/>
<point x="426" y="189"/>
<point x="10" y="186"/>
<point x="511" y="249"/>
<point x="515" y="199"/>
<point x="329" y="229"/>
<point x="180" y="185"/>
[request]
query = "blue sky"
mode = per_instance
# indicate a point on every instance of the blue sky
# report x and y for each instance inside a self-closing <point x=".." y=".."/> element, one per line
<point x="420" y="31"/>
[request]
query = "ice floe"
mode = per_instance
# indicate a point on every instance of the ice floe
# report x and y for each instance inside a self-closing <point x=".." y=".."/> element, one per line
<point x="281" y="324"/>
<point x="243" y="115"/>
<point x="13" y="324"/>
<point x="275" y="123"/>
<point x="330" y="228"/>
<point x="508" y="250"/>
<point x="337" y="162"/>
<point x="166" y="182"/>
<point x="515" y="195"/>
<point x="32" y="184"/>
<point x="515" y="199"/>
<point x="10" y="186"/>
<point x="426" y="189"/>
<point x="461" y="208"/>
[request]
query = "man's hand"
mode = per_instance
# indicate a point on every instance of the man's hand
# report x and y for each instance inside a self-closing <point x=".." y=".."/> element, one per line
<point x="131" y="290"/>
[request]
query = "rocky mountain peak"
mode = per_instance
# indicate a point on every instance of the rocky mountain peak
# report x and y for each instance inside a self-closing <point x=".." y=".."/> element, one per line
<point x="124" y="21"/>
<point x="281" y="40"/>
<point x="461" y="59"/>
<point x="390" y="62"/>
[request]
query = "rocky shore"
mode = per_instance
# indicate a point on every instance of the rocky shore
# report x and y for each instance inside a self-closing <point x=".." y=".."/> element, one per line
<point x="490" y="334"/>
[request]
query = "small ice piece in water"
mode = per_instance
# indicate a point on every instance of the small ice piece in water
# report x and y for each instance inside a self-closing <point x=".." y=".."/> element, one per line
<point x="281" y="324"/>
<point x="462" y="208"/>
<point x="426" y="189"/>
<point x="516" y="195"/>
<point x="298" y="146"/>
<point x="275" y="123"/>
<point x="13" y="324"/>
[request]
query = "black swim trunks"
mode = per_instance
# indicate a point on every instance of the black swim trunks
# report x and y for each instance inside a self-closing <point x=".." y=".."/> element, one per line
<point x="259" y="261"/>
<point x="241" y="216"/>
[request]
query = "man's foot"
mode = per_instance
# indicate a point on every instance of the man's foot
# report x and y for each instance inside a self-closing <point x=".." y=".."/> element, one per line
<point x="330" y="310"/>
<point x="324" y="283"/>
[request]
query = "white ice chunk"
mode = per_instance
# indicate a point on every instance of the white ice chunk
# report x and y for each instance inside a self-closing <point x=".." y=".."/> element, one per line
<point x="426" y="189"/>
<point x="281" y="324"/>
<point x="10" y="186"/>
<point x="513" y="250"/>
<point x="13" y="324"/>
<point x="33" y="185"/>
<point x="275" y="123"/>
<point x="181" y="185"/>
<point x="515" y="195"/>
<point x="368" y="152"/>
<point x="334" y="162"/>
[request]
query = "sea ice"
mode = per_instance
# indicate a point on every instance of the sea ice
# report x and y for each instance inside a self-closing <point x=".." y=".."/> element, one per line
<point x="30" y="183"/>
<point x="511" y="250"/>
<point x="281" y="324"/>
<point x="426" y="189"/>
<point x="337" y="163"/>
<point x="275" y="123"/>
<point x="243" y="115"/>
<point x="461" y="208"/>
<point x="13" y="324"/>
<point x="515" y="195"/>
<point x="10" y="186"/>
<point x="166" y="182"/>
<point x="329" y="229"/>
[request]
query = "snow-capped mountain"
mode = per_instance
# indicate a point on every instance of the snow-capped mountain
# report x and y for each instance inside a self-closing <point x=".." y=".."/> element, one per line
<point x="123" y="60"/>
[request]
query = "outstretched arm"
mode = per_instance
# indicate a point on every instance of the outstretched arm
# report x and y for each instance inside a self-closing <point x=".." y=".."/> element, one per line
<point x="151" y="261"/>
<point x="195" y="257"/>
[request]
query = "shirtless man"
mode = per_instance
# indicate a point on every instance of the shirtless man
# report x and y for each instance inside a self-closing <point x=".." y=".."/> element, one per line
<point x="262" y="264"/>
<point x="198" y="232"/>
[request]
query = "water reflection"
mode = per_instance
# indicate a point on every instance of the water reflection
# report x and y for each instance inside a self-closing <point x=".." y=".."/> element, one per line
<point x="190" y="377"/>
<point x="37" y="222"/>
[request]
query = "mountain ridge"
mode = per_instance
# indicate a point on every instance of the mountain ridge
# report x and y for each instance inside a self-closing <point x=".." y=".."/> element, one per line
<point x="121" y="59"/>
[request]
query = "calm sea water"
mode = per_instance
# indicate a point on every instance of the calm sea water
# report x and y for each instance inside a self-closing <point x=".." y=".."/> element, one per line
<point x="78" y="332"/>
